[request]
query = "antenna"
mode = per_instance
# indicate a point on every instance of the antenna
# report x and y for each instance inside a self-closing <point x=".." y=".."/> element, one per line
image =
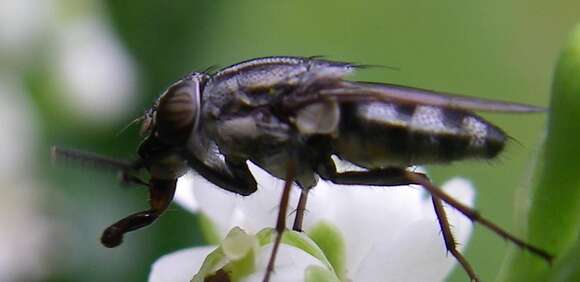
<point x="91" y="160"/>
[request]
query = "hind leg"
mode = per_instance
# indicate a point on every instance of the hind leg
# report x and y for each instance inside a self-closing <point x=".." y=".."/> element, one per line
<point x="400" y="176"/>
<point x="450" y="243"/>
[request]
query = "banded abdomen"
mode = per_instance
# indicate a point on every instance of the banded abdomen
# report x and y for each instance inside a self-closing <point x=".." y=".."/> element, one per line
<point x="377" y="134"/>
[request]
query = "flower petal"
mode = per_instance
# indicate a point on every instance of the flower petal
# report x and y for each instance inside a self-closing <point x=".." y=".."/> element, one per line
<point x="244" y="257"/>
<point x="180" y="265"/>
<point x="251" y="213"/>
<point x="184" y="193"/>
<point x="417" y="252"/>
<point x="291" y="264"/>
<point x="197" y="194"/>
<point x="399" y="222"/>
<point x="376" y="210"/>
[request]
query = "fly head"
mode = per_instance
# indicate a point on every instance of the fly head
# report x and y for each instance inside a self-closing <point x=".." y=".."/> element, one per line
<point x="176" y="113"/>
<point x="168" y="125"/>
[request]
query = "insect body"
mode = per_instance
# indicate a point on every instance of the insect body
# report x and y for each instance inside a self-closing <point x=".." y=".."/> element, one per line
<point x="290" y="115"/>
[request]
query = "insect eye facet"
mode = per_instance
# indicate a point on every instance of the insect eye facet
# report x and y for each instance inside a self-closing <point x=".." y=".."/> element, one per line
<point x="176" y="113"/>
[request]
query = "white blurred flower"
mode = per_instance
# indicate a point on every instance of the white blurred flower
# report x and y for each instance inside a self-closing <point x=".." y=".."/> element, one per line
<point x="95" y="70"/>
<point x="96" y="77"/>
<point x="22" y="23"/>
<point x="371" y="233"/>
<point x="25" y="235"/>
<point x="18" y="122"/>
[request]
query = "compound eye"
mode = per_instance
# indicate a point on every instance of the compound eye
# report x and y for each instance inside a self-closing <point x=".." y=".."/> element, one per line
<point x="177" y="112"/>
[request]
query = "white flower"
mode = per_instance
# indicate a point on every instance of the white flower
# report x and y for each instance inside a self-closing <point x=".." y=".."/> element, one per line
<point x="367" y="233"/>
<point x="23" y="24"/>
<point x="94" y="69"/>
<point x="25" y="237"/>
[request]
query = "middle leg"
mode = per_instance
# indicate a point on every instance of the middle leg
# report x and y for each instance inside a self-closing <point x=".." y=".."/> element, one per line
<point x="281" y="220"/>
<point x="300" y="210"/>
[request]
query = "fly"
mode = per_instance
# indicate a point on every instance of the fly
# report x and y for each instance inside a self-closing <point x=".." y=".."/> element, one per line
<point x="290" y="115"/>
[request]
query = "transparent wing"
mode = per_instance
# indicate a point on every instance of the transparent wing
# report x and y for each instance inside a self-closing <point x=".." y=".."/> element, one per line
<point x="356" y="91"/>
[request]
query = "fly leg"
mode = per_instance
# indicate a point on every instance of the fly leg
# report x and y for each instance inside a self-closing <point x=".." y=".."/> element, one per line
<point x="281" y="220"/>
<point x="395" y="177"/>
<point x="450" y="243"/>
<point x="399" y="176"/>
<point x="161" y="193"/>
<point x="127" y="178"/>
<point x="473" y="215"/>
<point x="300" y="210"/>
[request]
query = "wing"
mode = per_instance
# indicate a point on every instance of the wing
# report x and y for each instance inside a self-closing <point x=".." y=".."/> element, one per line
<point x="358" y="91"/>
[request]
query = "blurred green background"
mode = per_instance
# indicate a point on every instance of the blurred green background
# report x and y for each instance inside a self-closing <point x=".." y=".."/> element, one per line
<point x="74" y="73"/>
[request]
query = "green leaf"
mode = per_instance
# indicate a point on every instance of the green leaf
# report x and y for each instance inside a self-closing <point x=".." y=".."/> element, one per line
<point x="208" y="230"/>
<point x="554" y="208"/>
<point x="315" y="273"/>
<point x="568" y="268"/>
<point x="330" y="240"/>
<point x="210" y="265"/>
<point x="238" y="243"/>
<point x="295" y="239"/>
<point x="240" y="248"/>
<point x="235" y="258"/>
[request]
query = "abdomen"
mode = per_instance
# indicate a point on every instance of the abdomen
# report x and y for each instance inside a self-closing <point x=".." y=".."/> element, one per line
<point x="376" y="134"/>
